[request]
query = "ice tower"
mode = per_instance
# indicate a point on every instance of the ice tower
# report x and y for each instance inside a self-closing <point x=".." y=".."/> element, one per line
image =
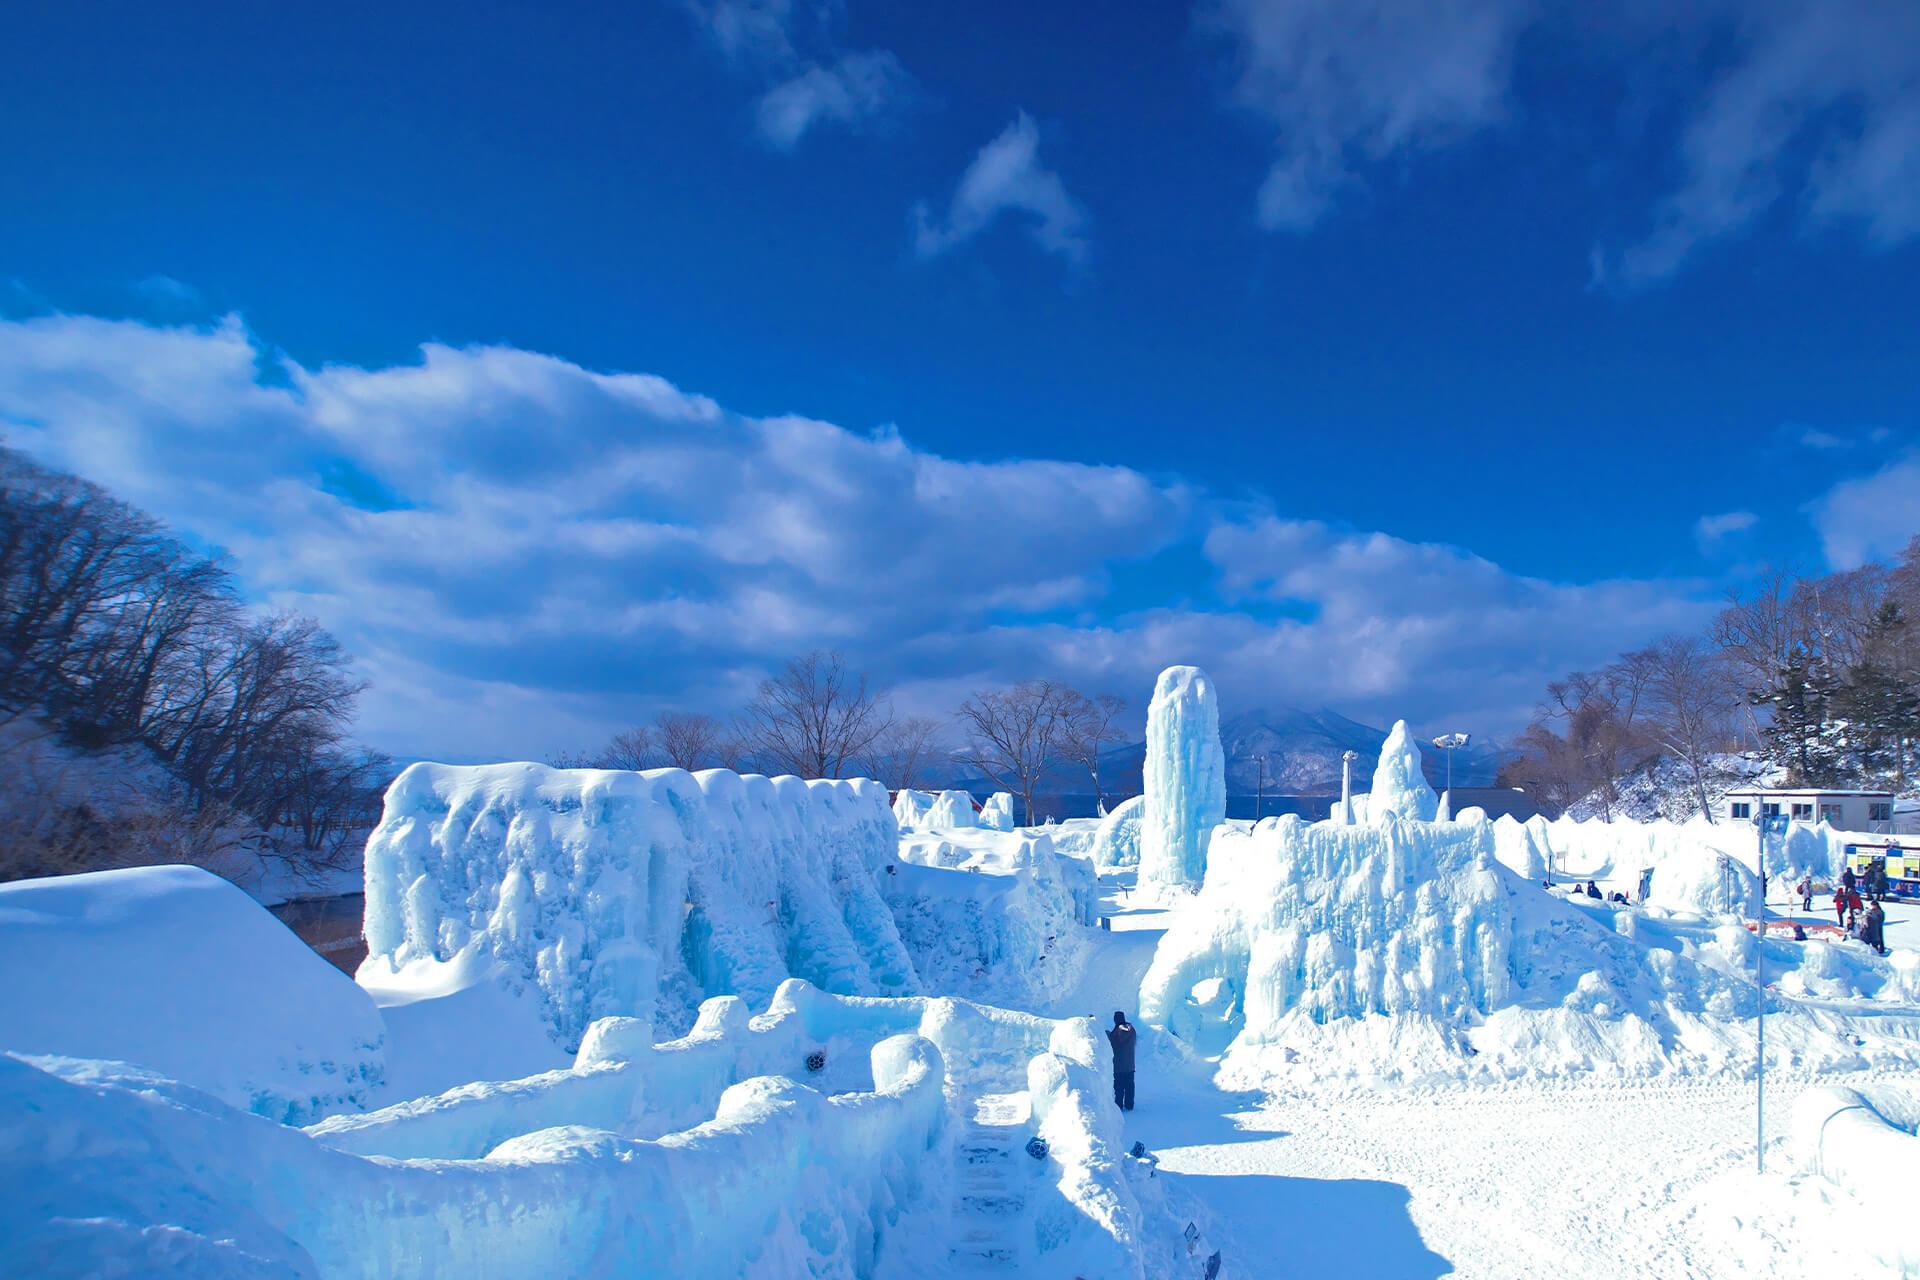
<point x="1186" y="779"/>
<point x="1399" y="787"/>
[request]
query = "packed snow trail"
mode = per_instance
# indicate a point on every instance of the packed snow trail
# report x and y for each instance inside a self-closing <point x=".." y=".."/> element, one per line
<point x="989" y="1203"/>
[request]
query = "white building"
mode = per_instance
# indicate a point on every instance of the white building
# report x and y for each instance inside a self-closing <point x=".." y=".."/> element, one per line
<point x="1844" y="810"/>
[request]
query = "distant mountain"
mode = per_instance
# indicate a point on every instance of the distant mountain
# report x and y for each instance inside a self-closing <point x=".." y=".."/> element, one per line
<point x="1302" y="750"/>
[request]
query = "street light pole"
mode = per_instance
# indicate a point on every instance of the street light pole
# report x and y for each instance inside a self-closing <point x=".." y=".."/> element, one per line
<point x="1449" y="743"/>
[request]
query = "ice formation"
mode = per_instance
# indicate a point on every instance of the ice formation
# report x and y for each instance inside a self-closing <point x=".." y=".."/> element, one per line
<point x="997" y="813"/>
<point x="638" y="894"/>
<point x="952" y="811"/>
<point x="1405" y="950"/>
<point x="910" y="808"/>
<point x="993" y="916"/>
<point x="1519" y="848"/>
<point x="1117" y="844"/>
<point x="1185" y="779"/>
<point x="177" y="970"/>
<point x="1400" y="788"/>
<point x="702" y="1156"/>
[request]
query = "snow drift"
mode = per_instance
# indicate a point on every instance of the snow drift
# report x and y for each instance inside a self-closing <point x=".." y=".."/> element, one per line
<point x="635" y="894"/>
<point x="178" y="971"/>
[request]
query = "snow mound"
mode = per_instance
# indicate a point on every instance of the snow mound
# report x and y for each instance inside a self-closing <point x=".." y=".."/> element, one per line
<point x="1400" y="788"/>
<point x="910" y="807"/>
<point x="952" y="811"/>
<point x="997" y="813"/>
<point x="1406" y="951"/>
<point x="1184" y="778"/>
<point x="1117" y="844"/>
<point x="178" y="971"/>
<point x="609" y="892"/>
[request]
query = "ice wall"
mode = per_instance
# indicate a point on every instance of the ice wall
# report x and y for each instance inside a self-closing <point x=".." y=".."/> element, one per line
<point x="1002" y="918"/>
<point x="1185" y="779"/>
<point x="637" y="894"/>
<point x="1405" y="950"/>
<point x="952" y="811"/>
<point x="1117" y="843"/>
<point x="1400" y="789"/>
<point x="997" y="813"/>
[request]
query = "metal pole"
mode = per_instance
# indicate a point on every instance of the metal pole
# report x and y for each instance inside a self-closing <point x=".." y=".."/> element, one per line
<point x="1760" y="1021"/>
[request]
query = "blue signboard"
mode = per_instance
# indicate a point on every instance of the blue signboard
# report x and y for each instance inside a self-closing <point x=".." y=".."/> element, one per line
<point x="1777" y="824"/>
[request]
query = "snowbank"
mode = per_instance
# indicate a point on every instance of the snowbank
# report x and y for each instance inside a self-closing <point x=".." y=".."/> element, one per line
<point x="1406" y="951"/>
<point x="1118" y="842"/>
<point x="997" y="813"/>
<point x="724" y="1153"/>
<point x="952" y="811"/>
<point x="1841" y="1136"/>
<point x="782" y="1180"/>
<point x="1517" y="847"/>
<point x="1616" y="853"/>
<point x="639" y="894"/>
<point x="1185" y="779"/>
<point x="177" y="970"/>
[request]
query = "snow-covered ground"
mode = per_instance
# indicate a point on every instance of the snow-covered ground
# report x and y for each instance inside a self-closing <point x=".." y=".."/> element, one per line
<point x="810" y="1044"/>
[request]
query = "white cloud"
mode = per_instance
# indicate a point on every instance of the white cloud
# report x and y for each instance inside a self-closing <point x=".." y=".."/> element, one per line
<point x="1869" y="517"/>
<point x="1007" y="176"/>
<point x="523" y="553"/>
<point x="1708" y="531"/>
<point x="854" y="88"/>
<point x="812" y="79"/>
<point x="1836" y="80"/>
<point x="1353" y="82"/>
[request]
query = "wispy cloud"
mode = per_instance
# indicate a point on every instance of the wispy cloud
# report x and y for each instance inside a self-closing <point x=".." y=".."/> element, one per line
<point x="811" y="80"/>
<point x="1870" y="516"/>
<point x="1822" y="101"/>
<point x="1349" y="83"/>
<point x="525" y="552"/>
<point x="1007" y="176"/>
<point x="1710" y="531"/>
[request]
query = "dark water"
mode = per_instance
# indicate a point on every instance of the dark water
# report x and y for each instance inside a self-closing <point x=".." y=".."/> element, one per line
<point x="1312" y="808"/>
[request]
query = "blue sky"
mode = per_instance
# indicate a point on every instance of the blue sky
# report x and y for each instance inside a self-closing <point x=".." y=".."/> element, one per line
<point x="1404" y="354"/>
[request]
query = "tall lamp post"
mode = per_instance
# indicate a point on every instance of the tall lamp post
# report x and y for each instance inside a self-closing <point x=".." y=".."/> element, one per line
<point x="1450" y="743"/>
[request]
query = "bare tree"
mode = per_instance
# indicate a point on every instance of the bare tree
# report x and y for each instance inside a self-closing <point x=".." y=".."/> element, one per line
<point x="814" y="717"/>
<point x="1092" y="723"/>
<point x="690" y="739"/>
<point x="901" y="753"/>
<point x="1013" y="735"/>
<point x="1691" y="698"/>
<point x="629" y="749"/>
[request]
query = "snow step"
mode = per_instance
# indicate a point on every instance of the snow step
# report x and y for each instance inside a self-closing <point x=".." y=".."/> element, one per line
<point x="999" y="1205"/>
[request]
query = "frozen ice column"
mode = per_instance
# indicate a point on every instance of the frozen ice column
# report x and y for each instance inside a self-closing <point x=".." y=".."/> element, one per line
<point x="1399" y="787"/>
<point x="1186" y="779"/>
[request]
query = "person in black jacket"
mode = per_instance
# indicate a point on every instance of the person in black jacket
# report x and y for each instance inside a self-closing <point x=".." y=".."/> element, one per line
<point x="1121" y="1038"/>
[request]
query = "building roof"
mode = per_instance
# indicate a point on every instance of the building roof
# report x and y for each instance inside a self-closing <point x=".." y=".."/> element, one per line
<point x="1809" y="791"/>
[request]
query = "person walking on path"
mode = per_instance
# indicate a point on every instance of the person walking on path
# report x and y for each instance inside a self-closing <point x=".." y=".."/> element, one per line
<point x="1806" y="892"/>
<point x="1121" y="1037"/>
<point x="1840" y="905"/>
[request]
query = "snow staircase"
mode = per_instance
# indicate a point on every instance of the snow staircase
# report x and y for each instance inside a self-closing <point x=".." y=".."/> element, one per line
<point x="990" y="1170"/>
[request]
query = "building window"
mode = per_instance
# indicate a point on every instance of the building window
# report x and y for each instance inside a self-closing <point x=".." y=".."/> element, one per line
<point x="1770" y="810"/>
<point x="1830" y="813"/>
<point x="1880" y="811"/>
<point x="1803" y="812"/>
<point x="1740" y="809"/>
